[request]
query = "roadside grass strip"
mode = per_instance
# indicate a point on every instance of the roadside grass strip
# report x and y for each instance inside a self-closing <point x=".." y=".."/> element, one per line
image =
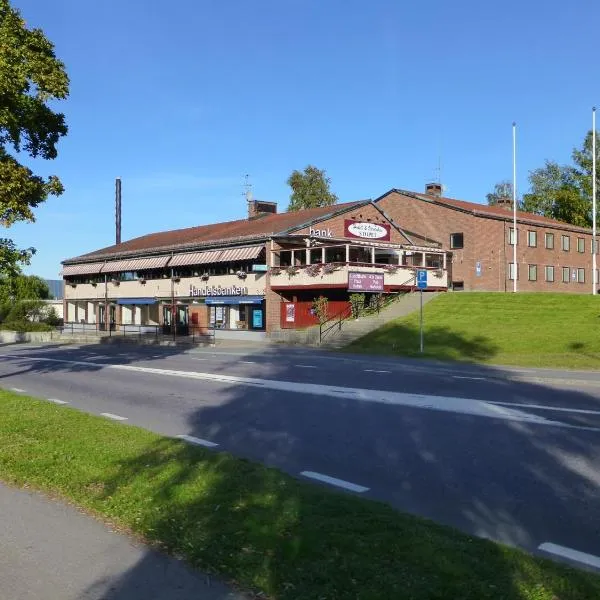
<point x="258" y="527"/>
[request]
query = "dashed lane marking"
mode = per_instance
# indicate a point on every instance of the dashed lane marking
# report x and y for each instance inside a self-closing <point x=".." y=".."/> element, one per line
<point x="197" y="441"/>
<point x="571" y="554"/>
<point x="113" y="417"/>
<point x="347" y="485"/>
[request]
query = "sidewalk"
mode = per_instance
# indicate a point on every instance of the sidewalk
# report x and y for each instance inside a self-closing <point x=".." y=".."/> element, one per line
<point x="50" y="551"/>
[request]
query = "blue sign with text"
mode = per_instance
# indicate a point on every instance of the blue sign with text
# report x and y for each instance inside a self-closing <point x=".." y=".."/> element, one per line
<point x="422" y="279"/>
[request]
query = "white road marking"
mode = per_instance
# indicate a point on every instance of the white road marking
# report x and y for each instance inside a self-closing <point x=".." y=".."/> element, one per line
<point x="57" y="401"/>
<point x="198" y="441"/>
<point x="580" y="411"/>
<point x="466" y="377"/>
<point x="18" y="390"/>
<point x="464" y="406"/>
<point x="113" y="417"/>
<point x="248" y="362"/>
<point x="375" y="371"/>
<point x="347" y="485"/>
<point x="306" y="366"/>
<point x="580" y="557"/>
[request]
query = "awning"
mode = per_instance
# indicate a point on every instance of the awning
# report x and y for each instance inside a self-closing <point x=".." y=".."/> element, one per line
<point x="244" y="253"/>
<point x="235" y="300"/>
<point x="136" y="264"/>
<point x="82" y="269"/>
<point x="216" y="256"/>
<point x="136" y="301"/>
<point x="195" y="258"/>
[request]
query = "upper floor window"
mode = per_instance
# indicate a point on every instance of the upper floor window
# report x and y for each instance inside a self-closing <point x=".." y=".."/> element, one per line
<point x="532" y="239"/>
<point x="594" y="245"/>
<point x="566" y="242"/>
<point x="580" y="245"/>
<point x="513" y="237"/>
<point x="549" y="237"/>
<point x="457" y="240"/>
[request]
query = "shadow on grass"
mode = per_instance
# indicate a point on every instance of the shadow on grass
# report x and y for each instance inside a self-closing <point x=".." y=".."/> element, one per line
<point x="294" y="541"/>
<point x="504" y="479"/>
<point x="439" y="342"/>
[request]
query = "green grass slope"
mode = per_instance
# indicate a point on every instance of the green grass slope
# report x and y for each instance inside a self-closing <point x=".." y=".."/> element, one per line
<point x="542" y="330"/>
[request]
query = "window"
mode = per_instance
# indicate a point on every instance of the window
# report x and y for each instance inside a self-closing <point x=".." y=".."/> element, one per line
<point x="532" y="272"/>
<point x="360" y="254"/>
<point x="580" y="245"/>
<point x="316" y="256"/>
<point x="594" y="244"/>
<point x="566" y="242"/>
<point x="338" y="255"/>
<point x="457" y="240"/>
<point x="597" y="273"/>
<point x="565" y="274"/>
<point x="285" y="258"/>
<point x="434" y="261"/>
<point x="581" y="275"/>
<point x="550" y="274"/>
<point x="532" y="239"/>
<point x="549" y="241"/>
<point x="511" y="271"/>
<point x="512" y="236"/>
<point x="458" y="286"/>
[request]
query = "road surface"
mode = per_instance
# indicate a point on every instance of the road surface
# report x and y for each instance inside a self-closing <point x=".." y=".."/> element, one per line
<point x="508" y="454"/>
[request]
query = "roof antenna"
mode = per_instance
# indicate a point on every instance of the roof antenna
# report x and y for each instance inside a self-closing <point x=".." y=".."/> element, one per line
<point x="247" y="188"/>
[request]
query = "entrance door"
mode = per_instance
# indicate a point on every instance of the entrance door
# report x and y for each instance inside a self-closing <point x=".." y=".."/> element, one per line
<point x="181" y="323"/>
<point x="102" y="317"/>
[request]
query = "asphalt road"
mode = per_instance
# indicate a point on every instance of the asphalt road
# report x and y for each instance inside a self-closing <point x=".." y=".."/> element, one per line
<point x="509" y="454"/>
<point x="49" y="551"/>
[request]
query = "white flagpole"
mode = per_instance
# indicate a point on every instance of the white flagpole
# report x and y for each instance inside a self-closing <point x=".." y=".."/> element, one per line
<point x="594" y="282"/>
<point x="515" y="207"/>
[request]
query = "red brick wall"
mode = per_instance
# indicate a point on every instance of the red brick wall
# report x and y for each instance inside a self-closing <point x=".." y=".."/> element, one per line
<point x="486" y="241"/>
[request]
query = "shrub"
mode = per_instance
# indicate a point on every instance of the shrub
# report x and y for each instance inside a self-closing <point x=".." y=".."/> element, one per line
<point x="25" y="326"/>
<point x="357" y="302"/>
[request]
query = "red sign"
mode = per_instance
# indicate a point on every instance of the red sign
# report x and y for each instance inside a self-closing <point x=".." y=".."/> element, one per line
<point x="365" y="282"/>
<point x="367" y="231"/>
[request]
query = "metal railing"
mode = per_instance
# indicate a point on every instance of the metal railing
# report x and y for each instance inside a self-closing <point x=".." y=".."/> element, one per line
<point x="337" y="321"/>
<point x="189" y="333"/>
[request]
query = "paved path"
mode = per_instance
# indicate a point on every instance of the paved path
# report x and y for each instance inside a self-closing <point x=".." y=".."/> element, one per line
<point x="510" y="454"/>
<point x="49" y="551"/>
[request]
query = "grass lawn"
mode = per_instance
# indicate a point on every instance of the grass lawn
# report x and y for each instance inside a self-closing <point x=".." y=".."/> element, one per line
<point x="540" y="330"/>
<point x="256" y="526"/>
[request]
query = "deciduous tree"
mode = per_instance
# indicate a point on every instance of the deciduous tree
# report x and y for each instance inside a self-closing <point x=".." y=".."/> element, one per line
<point x="310" y="189"/>
<point x="31" y="77"/>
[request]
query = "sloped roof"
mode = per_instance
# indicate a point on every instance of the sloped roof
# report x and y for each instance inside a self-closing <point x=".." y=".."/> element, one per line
<point x="219" y="233"/>
<point x="484" y="210"/>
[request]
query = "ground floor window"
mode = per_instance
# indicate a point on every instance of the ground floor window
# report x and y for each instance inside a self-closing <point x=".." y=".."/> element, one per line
<point x="550" y="274"/>
<point x="236" y="316"/>
<point x="532" y="272"/>
<point x="580" y="275"/>
<point x="565" y="275"/>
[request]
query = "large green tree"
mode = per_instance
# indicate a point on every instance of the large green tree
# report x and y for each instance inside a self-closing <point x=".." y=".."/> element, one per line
<point x="31" y="79"/>
<point x="564" y="192"/>
<point x="310" y="189"/>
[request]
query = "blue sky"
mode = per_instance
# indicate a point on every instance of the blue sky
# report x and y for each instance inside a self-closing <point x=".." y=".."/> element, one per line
<point x="183" y="99"/>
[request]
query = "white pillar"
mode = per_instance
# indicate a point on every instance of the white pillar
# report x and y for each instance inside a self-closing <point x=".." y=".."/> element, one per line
<point x="373" y="255"/>
<point x="347" y="253"/>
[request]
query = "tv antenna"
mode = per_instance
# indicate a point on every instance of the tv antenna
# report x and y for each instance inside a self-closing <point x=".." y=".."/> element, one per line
<point x="247" y="188"/>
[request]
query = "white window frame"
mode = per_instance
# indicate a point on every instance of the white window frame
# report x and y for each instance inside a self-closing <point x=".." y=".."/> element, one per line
<point x="511" y="236"/>
<point x="567" y="239"/>
<point x="531" y="234"/>
<point x="568" y="271"/>
<point x="549" y="235"/>
<point x="511" y="266"/>
<point x="529" y="270"/>
<point x="549" y="269"/>
<point x="452" y="246"/>
<point x="580" y="275"/>
<point x="581" y="245"/>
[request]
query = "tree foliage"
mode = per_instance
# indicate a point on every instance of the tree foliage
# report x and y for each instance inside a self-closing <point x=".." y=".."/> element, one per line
<point x="31" y="77"/>
<point x="503" y="189"/>
<point x="564" y="192"/>
<point x="310" y="189"/>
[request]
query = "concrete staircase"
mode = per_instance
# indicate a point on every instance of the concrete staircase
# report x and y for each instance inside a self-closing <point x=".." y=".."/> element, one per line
<point x="354" y="329"/>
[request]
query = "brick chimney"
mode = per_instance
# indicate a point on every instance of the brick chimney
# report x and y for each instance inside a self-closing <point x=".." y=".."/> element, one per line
<point x="259" y="208"/>
<point x="433" y="189"/>
<point x="505" y="202"/>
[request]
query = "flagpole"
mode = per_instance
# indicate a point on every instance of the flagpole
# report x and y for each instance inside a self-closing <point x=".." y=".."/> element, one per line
<point x="514" y="190"/>
<point x="594" y="282"/>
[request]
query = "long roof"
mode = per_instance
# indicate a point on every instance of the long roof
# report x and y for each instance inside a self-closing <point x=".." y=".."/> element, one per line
<point x="229" y="232"/>
<point x="484" y="210"/>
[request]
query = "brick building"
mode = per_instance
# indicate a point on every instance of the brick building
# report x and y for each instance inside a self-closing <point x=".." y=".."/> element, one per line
<point x="247" y="277"/>
<point x="551" y="256"/>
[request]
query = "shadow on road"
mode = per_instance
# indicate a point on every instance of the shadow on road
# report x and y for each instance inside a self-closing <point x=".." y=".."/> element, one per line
<point x="497" y="478"/>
